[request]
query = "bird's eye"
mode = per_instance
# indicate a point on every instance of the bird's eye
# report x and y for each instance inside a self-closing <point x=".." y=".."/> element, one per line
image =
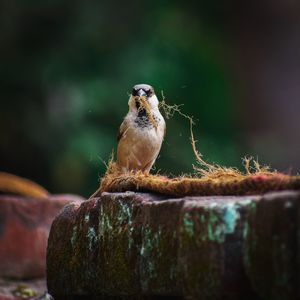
<point x="134" y="92"/>
<point x="149" y="93"/>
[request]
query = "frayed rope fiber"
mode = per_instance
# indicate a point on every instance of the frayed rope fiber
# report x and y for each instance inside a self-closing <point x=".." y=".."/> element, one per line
<point x="222" y="184"/>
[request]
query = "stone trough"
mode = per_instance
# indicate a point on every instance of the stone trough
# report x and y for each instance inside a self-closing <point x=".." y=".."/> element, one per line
<point x="138" y="245"/>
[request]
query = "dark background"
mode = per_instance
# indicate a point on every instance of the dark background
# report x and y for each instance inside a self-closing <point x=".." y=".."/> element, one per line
<point x="66" y="68"/>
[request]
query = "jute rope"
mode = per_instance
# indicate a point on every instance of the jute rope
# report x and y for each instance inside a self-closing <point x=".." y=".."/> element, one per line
<point x="220" y="184"/>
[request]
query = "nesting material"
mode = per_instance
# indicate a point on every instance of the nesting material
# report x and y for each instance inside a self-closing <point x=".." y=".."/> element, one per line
<point x="216" y="182"/>
<point x="208" y="180"/>
<point x="145" y="105"/>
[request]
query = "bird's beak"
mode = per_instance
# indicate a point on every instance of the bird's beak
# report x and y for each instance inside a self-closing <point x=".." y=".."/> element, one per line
<point x="141" y="93"/>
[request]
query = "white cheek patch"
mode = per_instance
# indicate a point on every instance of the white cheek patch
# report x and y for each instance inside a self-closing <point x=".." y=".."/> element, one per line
<point x="131" y="104"/>
<point x="153" y="101"/>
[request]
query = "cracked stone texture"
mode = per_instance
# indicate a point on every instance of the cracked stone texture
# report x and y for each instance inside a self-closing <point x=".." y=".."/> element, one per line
<point x="139" y="244"/>
<point x="24" y="230"/>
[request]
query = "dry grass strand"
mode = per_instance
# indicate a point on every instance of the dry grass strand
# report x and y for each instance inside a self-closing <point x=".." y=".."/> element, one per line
<point x="145" y="105"/>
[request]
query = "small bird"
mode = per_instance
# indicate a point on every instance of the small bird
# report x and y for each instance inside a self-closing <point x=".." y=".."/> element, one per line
<point x="142" y="132"/>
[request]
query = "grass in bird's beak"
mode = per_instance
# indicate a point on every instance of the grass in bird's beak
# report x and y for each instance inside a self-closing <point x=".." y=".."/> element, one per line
<point x="145" y="105"/>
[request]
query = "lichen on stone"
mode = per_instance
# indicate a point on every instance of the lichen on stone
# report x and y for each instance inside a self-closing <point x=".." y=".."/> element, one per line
<point x="87" y="218"/>
<point x="74" y="236"/>
<point x="92" y="237"/>
<point x="231" y="215"/>
<point x="188" y="224"/>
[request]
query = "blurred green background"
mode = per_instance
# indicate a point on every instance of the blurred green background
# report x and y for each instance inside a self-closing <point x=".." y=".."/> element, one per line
<point x="67" y="68"/>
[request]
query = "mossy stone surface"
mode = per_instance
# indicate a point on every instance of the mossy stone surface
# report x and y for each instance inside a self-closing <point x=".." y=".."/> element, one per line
<point x="271" y="249"/>
<point x="145" y="245"/>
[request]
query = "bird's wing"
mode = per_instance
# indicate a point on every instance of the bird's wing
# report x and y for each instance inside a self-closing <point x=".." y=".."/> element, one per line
<point x="123" y="129"/>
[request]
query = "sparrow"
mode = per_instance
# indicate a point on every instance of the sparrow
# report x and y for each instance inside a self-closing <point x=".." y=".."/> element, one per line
<point x="142" y="131"/>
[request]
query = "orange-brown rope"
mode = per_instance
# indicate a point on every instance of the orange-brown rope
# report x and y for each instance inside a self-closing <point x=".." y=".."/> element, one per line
<point x="12" y="184"/>
<point x="221" y="183"/>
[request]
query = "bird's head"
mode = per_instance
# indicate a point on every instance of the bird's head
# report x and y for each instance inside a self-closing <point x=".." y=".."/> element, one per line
<point x="142" y="90"/>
